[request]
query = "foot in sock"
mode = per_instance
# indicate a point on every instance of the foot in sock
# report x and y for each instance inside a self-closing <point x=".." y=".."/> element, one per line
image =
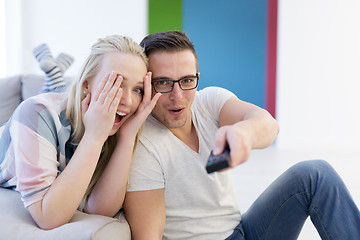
<point x="64" y="61"/>
<point x="43" y="55"/>
<point x="54" y="80"/>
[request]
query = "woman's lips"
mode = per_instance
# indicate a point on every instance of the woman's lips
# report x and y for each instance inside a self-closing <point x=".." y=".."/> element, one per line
<point x="119" y="118"/>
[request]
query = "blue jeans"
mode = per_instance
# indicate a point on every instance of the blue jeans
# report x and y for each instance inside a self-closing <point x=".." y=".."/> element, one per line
<point x="308" y="188"/>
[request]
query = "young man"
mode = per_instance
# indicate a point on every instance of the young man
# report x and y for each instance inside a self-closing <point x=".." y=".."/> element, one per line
<point x="170" y="194"/>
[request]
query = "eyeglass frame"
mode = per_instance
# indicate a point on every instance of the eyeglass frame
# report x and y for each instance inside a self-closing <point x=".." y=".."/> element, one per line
<point x="176" y="81"/>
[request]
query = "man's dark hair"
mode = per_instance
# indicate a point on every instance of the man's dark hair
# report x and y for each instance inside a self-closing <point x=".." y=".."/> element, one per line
<point x="170" y="41"/>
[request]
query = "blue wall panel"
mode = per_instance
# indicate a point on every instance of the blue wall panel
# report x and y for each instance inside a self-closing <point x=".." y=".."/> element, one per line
<point x="230" y="39"/>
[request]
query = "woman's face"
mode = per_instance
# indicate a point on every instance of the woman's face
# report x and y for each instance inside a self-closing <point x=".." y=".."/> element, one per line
<point x="133" y="69"/>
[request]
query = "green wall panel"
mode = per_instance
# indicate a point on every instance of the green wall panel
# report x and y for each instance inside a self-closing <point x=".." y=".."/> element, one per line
<point x="165" y="15"/>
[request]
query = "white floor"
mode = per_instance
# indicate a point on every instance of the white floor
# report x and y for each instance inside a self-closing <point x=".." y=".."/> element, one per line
<point x="264" y="166"/>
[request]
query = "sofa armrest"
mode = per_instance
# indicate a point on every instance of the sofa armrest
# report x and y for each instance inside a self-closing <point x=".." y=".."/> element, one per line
<point x="17" y="223"/>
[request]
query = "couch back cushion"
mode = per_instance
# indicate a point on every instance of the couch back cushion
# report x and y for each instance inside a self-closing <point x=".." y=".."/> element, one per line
<point x="15" y="89"/>
<point x="31" y="85"/>
<point x="10" y="96"/>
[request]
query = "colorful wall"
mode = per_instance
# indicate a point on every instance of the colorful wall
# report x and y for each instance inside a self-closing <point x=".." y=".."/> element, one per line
<point x="316" y="65"/>
<point x="235" y="41"/>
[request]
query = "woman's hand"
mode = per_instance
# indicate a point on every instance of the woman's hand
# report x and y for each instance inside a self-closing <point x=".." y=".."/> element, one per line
<point x="99" y="108"/>
<point x="133" y="124"/>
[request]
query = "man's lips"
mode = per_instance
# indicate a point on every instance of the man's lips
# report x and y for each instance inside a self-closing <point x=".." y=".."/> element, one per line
<point x="176" y="110"/>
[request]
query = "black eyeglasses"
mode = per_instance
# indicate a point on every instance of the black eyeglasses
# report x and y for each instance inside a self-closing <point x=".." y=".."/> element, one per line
<point x="166" y="85"/>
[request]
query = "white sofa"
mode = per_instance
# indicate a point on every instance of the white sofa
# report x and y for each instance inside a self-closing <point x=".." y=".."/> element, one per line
<point x="15" y="220"/>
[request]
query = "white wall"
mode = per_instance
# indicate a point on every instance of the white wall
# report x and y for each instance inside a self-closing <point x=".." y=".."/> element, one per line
<point x="318" y="92"/>
<point x="67" y="26"/>
<point x="318" y="56"/>
<point x="2" y="39"/>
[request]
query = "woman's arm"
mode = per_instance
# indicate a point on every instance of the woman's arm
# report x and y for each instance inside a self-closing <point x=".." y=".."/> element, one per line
<point x="66" y="192"/>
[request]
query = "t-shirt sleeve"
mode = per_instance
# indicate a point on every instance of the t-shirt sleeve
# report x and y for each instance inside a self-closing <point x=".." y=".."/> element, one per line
<point x="35" y="150"/>
<point x="146" y="172"/>
<point x="210" y="101"/>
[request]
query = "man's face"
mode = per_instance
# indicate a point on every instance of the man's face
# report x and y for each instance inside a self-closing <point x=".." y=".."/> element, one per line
<point x="173" y="108"/>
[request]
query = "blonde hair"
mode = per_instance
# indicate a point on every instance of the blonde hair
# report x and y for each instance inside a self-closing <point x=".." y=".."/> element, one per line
<point x="113" y="43"/>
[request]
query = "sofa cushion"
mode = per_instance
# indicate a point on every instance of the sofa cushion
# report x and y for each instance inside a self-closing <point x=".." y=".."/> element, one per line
<point x="10" y="95"/>
<point x="17" y="223"/>
<point x="17" y="88"/>
<point x="31" y="85"/>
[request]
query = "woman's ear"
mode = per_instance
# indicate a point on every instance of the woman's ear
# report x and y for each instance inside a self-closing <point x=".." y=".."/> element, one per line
<point x="86" y="87"/>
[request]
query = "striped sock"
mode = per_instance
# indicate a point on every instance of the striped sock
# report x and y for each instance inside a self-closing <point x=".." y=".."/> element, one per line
<point x="64" y="61"/>
<point x="43" y="55"/>
<point x="54" y="81"/>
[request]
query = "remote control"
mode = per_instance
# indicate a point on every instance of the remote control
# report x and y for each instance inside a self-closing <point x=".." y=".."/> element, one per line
<point x="218" y="162"/>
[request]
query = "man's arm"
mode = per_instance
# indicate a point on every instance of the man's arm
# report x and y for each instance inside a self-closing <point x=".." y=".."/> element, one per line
<point x="145" y="212"/>
<point x="245" y="127"/>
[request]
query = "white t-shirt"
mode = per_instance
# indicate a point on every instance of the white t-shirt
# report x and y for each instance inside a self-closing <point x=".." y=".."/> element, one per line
<point x="198" y="205"/>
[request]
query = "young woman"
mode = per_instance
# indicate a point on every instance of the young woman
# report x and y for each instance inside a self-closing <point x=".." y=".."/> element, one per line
<point x="68" y="151"/>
